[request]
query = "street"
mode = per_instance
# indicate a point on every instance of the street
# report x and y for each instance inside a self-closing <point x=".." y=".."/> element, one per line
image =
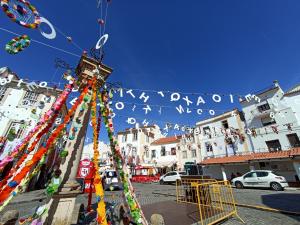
<point x="155" y="197"/>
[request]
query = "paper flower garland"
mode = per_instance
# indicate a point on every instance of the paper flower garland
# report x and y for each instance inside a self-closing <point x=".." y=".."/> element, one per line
<point x="42" y="127"/>
<point x="8" y="192"/>
<point x="101" y="211"/>
<point x="21" y="12"/>
<point x="17" y="44"/>
<point x="129" y="196"/>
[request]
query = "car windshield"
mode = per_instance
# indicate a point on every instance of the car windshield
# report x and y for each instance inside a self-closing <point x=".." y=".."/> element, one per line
<point x="276" y="174"/>
<point x="111" y="174"/>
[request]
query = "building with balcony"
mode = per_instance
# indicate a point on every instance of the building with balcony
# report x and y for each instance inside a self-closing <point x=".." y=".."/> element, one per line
<point x="273" y="122"/>
<point x="222" y="136"/>
<point x="135" y="143"/>
<point x="21" y="106"/>
<point x="188" y="151"/>
<point x="272" y="135"/>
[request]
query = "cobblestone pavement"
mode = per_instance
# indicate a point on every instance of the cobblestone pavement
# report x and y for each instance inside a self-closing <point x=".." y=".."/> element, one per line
<point x="155" y="193"/>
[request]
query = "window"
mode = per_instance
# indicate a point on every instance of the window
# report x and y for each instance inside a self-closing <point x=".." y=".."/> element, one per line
<point x="147" y="153"/>
<point x="263" y="107"/>
<point x="225" y="124"/>
<point x="184" y="154"/>
<point x="294" y="140"/>
<point x="163" y="151"/>
<point x="123" y="151"/>
<point x="173" y="151"/>
<point x="135" y="136"/>
<point x="2" y="92"/>
<point x="171" y="174"/>
<point x="206" y="130"/>
<point x="208" y="147"/>
<point x="153" y="154"/>
<point x="262" y="174"/>
<point x="124" y="138"/>
<point x="273" y="145"/>
<point x="134" y="152"/>
<point x="250" y="175"/>
<point x="194" y="153"/>
<point x="15" y="130"/>
<point x="147" y="139"/>
<point x="267" y="121"/>
<point x="30" y="98"/>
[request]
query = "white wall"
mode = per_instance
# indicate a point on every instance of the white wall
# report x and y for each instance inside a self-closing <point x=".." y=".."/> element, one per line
<point x="141" y="144"/>
<point x="168" y="159"/>
<point x="215" y="172"/>
<point x="217" y="137"/>
<point x="187" y="144"/>
<point x="285" y="111"/>
<point x="15" y="112"/>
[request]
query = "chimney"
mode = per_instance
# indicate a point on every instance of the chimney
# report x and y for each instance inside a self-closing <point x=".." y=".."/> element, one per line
<point x="276" y="83"/>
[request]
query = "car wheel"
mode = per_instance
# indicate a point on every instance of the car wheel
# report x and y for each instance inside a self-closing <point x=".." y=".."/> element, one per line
<point x="238" y="185"/>
<point x="161" y="182"/>
<point x="276" y="186"/>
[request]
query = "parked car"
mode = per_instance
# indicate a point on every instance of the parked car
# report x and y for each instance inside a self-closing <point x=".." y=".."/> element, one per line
<point x="261" y="178"/>
<point x="111" y="181"/>
<point x="171" y="177"/>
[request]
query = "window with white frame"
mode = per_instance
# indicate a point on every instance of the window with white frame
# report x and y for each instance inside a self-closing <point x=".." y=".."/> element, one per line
<point x="194" y="153"/>
<point x="134" y="151"/>
<point x="30" y="98"/>
<point x="163" y="151"/>
<point x="153" y="154"/>
<point x="147" y="138"/>
<point x="2" y="92"/>
<point x="15" y="130"/>
<point x="208" y="147"/>
<point x="135" y="136"/>
<point x="173" y="151"/>
<point x="124" y="138"/>
<point x="184" y="154"/>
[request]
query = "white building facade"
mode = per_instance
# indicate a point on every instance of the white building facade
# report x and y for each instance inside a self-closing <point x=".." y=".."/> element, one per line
<point x="271" y="136"/>
<point x="164" y="152"/>
<point x="21" y="107"/>
<point x="135" y="143"/>
<point x="222" y="136"/>
<point x="188" y="151"/>
<point x="22" y="104"/>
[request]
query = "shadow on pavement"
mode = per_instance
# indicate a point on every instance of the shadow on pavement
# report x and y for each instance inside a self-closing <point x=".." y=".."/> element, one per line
<point x="283" y="201"/>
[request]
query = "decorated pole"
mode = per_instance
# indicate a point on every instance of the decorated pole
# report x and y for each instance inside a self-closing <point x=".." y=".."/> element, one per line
<point x="62" y="204"/>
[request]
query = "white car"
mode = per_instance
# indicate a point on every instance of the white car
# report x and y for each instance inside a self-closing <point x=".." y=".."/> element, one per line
<point x="261" y="178"/>
<point x="171" y="177"/>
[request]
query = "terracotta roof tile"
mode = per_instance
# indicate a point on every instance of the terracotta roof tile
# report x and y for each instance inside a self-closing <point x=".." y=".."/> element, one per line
<point x="167" y="140"/>
<point x="252" y="157"/>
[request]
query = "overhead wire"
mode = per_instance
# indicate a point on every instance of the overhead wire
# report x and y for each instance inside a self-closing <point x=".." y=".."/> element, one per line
<point x="42" y="43"/>
<point x="63" y="34"/>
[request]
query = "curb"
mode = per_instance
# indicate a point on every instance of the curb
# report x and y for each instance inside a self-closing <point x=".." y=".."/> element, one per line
<point x="268" y="209"/>
<point x="292" y="189"/>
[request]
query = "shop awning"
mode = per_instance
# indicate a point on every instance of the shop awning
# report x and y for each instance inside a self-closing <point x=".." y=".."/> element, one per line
<point x="166" y="161"/>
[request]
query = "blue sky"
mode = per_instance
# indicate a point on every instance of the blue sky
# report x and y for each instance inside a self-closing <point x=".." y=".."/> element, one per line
<point x="196" y="46"/>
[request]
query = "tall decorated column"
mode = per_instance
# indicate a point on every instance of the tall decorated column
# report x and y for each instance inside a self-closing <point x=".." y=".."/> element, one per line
<point x="62" y="205"/>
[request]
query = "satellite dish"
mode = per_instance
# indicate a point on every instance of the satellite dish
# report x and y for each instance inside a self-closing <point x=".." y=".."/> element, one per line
<point x="3" y="70"/>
